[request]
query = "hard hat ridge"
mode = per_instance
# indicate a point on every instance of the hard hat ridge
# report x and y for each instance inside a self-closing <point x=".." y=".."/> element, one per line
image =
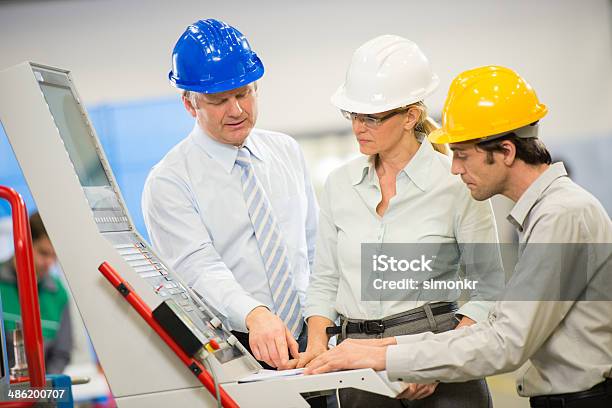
<point x="211" y="57"/>
<point x="385" y="73"/>
<point x="485" y="102"/>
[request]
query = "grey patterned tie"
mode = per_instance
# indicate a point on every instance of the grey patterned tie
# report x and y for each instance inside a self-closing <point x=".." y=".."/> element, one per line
<point x="273" y="249"/>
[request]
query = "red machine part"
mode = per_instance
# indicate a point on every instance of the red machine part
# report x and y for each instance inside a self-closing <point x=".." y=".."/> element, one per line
<point x="145" y="312"/>
<point x="28" y="293"/>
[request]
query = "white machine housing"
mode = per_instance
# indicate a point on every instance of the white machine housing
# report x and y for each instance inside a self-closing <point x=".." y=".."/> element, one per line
<point x="88" y="222"/>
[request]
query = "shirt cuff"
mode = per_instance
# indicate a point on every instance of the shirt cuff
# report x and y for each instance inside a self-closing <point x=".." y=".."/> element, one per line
<point x="396" y="362"/>
<point x="327" y="312"/>
<point x="242" y="307"/>
<point x="476" y="310"/>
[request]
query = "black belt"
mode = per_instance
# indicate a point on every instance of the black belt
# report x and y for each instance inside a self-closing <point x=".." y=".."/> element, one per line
<point x="603" y="389"/>
<point x="378" y="326"/>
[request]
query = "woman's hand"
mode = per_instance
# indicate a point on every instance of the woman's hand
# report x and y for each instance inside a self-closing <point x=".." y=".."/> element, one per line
<point x="317" y="342"/>
<point x="312" y="351"/>
<point x="417" y="391"/>
<point x="465" y="321"/>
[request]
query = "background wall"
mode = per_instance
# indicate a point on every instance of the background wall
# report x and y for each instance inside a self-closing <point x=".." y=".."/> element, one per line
<point x="120" y="50"/>
<point x="119" y="54"/>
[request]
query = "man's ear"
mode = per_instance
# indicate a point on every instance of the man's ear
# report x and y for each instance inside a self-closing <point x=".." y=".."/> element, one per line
<point x="189" y="106"/>
<point x="509" y="152"/>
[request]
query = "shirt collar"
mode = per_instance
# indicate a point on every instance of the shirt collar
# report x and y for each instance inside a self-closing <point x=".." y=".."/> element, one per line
<point x="255" y="149"/>
<point x="359" y="169"/>
<point x="224" y="154"/>
<point x="418" y="169"/>
<point x="533" y="193"/>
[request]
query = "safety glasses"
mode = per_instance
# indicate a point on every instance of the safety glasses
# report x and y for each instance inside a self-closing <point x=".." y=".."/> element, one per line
<point x="371" y="120"/>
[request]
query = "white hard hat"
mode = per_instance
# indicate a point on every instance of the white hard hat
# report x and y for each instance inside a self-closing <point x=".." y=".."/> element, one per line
<point x="386" y="73"/>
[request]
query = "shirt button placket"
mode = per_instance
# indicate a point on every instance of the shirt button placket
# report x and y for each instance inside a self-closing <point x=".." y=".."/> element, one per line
<point x="381" y="237"/>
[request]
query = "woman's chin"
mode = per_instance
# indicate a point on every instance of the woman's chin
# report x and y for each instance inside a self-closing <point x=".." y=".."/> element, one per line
<point x="367" y="150"/>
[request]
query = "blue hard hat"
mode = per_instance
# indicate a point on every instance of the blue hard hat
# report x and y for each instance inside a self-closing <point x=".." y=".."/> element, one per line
<point x="212" y="56"/>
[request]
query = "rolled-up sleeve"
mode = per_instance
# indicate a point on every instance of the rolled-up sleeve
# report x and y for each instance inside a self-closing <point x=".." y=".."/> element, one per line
<point x="323" y="287"/>
<point x="182" y="240"/>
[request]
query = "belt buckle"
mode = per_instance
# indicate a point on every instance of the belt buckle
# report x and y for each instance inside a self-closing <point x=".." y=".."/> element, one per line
<point x="373" y="327"/>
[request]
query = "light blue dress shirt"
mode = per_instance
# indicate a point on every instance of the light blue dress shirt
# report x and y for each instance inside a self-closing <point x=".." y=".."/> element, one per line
<point x="195" y="212"/>
<point x="430" y="206"/>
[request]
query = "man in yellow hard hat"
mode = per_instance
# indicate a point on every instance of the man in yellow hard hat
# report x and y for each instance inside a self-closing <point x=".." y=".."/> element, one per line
<point x="556" y="312"/>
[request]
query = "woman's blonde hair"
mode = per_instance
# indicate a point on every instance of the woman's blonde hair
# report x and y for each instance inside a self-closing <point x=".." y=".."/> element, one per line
<point x="426" y="125"/>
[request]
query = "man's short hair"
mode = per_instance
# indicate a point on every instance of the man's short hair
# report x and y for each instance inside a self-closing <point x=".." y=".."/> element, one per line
<point x="37" y="227"/>
<point x="531" y="151"/>
<point x="192" y="95"/>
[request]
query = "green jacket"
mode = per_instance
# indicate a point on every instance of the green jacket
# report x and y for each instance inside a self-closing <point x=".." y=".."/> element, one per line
<point x="55" y="319"/>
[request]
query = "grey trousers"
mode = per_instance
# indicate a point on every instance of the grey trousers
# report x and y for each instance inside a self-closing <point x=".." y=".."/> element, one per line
<point x="470" y="394"/>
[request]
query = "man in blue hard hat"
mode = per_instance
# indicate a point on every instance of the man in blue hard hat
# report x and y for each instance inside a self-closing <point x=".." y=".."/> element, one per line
<point x="231" y="208"/>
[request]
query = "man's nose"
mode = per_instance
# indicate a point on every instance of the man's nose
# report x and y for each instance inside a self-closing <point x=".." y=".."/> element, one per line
<point x="456" y="167"/>
<point x="235" y="109"/>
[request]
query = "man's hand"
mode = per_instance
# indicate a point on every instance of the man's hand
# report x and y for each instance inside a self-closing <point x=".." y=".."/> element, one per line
<point x="417" y="391"/>
<point x="269" y="338"/>
<point x="351" y="354"/>
<point x="386" y="341"/>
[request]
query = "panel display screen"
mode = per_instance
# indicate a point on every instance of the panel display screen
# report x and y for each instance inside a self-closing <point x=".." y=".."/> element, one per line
<point x="74" y="131"/>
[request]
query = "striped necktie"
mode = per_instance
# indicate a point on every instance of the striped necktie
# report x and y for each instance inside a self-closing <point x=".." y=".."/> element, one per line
<point x="273" y="249"/>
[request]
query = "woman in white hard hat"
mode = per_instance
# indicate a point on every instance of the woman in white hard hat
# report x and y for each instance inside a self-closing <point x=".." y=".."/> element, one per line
<point x="400" y="191"/>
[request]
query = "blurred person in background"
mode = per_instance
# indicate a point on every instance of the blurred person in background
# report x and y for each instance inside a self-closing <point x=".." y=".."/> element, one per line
<point x="399" y="191"/>
<point x="54" y="308"/>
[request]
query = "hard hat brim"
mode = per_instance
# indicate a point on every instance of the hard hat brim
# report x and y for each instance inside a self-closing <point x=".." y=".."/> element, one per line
<point x="218" y="87"/>
<point x="442" y="136"/>
<point x="439" y="136"/>
<point x="341" y="101"/>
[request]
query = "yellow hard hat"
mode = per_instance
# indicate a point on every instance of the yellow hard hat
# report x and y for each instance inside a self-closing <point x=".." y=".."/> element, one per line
<point x="487" y="101"/>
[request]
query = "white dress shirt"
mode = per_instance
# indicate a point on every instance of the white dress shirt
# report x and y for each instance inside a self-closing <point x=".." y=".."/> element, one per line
<point x="430" y="206"/>
<point x="195" y="212"/>
<point x="568" y="343"/>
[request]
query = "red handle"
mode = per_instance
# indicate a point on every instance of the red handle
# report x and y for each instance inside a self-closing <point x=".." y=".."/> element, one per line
<point x="28" y="294"/>
<point x="145" y="312"/>
<point x="28" y="290"/>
